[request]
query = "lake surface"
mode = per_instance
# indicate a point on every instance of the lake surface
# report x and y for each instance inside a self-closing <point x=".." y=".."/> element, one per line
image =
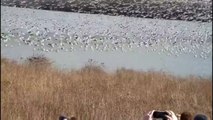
<point x="71" y="39"/>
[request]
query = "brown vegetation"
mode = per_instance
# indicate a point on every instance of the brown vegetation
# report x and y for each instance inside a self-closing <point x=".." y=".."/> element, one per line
<point x="29" y="93"/>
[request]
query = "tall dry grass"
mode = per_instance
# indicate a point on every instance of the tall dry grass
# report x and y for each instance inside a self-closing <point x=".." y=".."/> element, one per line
<point x="43" y="93"/>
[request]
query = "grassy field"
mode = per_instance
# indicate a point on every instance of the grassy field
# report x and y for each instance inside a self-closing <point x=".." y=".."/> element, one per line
<point x="40" y="92"/>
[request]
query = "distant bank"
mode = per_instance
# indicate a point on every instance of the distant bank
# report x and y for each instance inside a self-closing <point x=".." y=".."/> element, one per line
<point x="189" y="10"/>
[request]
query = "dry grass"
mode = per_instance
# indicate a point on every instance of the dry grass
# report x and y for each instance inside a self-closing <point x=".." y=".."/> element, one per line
<point x="35" y="93"/>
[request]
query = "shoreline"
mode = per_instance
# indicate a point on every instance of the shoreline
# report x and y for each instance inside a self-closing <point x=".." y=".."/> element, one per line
<point x="41" y="61"/>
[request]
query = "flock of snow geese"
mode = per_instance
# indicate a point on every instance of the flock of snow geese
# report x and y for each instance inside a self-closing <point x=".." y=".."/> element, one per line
<point x="57" y="31"/>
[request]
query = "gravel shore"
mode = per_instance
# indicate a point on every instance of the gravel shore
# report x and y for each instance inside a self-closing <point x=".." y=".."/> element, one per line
<point x="189" y="10"/>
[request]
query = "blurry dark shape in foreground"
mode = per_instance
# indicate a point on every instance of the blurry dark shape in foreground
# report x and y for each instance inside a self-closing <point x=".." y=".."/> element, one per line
<point x="66" y="118"/>
<point x="200" y="117"/>
<point x="186" y="116"/>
